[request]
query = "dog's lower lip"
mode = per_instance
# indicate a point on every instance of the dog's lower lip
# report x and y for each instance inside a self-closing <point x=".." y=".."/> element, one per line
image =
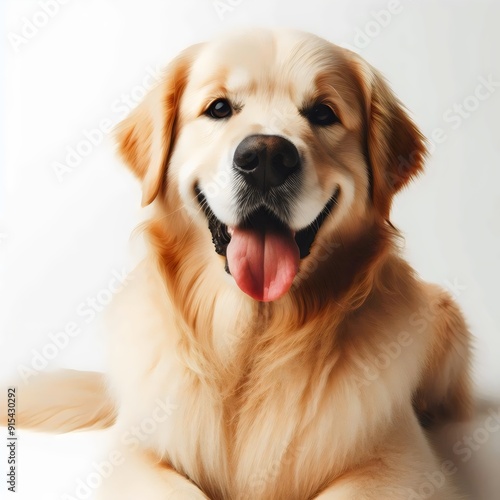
<point x="230" y="230"/>
<point x="221" y="233"/>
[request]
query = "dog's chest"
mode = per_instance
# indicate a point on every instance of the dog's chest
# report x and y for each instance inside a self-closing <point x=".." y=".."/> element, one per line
<point x="257" y="447"/>
<point x="278" y="433"/>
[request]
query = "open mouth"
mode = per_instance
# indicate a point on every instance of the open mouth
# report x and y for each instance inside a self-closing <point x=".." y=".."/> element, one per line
<point x="262" y="253"/>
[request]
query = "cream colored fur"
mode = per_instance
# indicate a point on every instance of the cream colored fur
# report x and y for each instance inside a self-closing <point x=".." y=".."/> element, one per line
<point x="221" y="397"/>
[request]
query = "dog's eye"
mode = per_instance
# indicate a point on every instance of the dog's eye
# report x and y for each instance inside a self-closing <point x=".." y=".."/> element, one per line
<point x="220" y="109"/>
<point x="322" y="114"/>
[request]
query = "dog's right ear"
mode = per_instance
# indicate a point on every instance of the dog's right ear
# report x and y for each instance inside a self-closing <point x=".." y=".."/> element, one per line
<point x="146" y="137"/>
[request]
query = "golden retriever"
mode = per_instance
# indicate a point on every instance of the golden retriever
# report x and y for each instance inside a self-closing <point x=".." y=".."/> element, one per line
<point x="273" y="344"/>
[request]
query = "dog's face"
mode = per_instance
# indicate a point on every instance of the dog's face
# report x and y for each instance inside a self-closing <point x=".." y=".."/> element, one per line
<point x="275" y="140"/>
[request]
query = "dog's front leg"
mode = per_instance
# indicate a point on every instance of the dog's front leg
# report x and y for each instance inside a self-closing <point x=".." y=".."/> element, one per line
<point x="378" y="482"/>
<point x="141" y="475"/>
<point x="402" y="467"/>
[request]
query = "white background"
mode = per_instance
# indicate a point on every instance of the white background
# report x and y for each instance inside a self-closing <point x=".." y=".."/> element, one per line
<point x="62" y="237"/>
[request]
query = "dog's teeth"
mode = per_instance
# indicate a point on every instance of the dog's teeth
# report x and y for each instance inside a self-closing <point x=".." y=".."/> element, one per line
<point x="230" y="230"/>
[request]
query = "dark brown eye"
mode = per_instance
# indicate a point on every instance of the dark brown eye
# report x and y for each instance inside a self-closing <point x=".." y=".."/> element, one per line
<point x="322" y="115"/>
<point x="219" y="109"/>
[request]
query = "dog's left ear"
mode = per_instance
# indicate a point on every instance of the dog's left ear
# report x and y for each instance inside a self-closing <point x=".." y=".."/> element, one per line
<point x="395" y="147"/>
<point x="146" y="137"/>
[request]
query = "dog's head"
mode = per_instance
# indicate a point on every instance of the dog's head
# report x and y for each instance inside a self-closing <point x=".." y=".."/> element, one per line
<point x="272" y="141"/>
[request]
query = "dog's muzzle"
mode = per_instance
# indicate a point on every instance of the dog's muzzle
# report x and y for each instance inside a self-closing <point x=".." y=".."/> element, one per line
<point x="262" y="251"/>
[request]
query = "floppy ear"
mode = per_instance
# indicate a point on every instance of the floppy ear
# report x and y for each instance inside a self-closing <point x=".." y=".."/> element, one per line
<point x="146" y="137"/>
<point x="395" y="146"/>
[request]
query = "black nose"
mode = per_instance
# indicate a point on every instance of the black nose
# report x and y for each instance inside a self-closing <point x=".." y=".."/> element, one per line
<point x="265" y="161"/>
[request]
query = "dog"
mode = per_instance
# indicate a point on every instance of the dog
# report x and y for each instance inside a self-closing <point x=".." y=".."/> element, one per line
<point x="272" y="343"/>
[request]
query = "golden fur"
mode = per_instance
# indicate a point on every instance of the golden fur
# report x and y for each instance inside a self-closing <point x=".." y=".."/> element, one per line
<point x="280" y="400"/>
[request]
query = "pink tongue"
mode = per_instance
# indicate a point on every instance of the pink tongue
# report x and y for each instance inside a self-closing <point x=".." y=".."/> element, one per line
<point x="263" y="262"/>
